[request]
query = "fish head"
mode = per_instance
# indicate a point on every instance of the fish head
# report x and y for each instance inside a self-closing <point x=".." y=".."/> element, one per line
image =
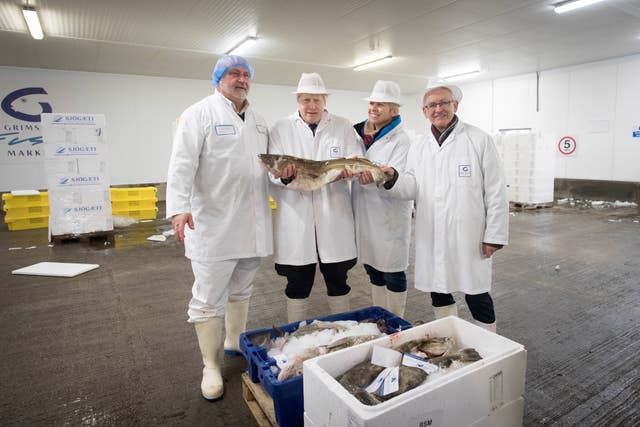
<point x="269" y="160"/>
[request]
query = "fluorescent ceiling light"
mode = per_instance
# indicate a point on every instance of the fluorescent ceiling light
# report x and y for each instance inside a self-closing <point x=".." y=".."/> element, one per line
<point x="372" y="63"/>
<point x="567" y="6"/>
<point x="461" y="76"/>
<point x="33" y="22"/>
<point x="248" y="41"/>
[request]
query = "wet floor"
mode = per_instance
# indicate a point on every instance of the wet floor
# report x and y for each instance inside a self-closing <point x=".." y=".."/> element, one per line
<point x="112" y="347"/>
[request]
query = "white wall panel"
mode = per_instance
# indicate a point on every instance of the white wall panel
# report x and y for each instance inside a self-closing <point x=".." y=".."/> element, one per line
<point x="626" y="148"/>
<point x="476" y="106"/>
<point x="591" y="113"/>
<point x="514" y="102"/>
<point x="553" y="115"/>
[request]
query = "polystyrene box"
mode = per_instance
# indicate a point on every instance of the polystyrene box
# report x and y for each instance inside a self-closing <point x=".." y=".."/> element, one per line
<point x="459" y="398"/>
<point x="508" y="415"/>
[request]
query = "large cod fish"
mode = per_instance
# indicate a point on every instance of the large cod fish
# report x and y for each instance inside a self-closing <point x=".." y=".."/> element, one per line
<point x="312" y="174"/>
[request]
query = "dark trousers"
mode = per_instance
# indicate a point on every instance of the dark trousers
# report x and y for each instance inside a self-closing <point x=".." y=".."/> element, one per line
<point x="480" y="305"/>
<point x="395" y="282"/>
<point x="300" y="278"/>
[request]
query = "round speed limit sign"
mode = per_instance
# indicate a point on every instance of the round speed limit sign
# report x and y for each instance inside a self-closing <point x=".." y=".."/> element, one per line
<point x="567" y="145"/>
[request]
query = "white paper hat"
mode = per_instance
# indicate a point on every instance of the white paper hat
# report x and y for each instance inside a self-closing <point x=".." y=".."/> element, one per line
<point x="437" y="82"/>
<point x="311" y="83"/>
<point x="385" y="91"/>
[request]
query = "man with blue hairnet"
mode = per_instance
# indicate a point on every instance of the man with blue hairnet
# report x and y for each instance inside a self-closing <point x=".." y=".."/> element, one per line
<point x="218" y="203"/>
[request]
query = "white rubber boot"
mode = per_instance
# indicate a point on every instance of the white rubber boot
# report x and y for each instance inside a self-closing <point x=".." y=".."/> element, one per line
<point x="379" y="296"/>
<point x="297" y="309"/>
<point x="397" y="302"/>
<point x="491" y="327"/>
<point x="339" y="304"/>
<point x="235" y="323"/>
<point x="210" y="341"/>
<point x="447" y="310"/>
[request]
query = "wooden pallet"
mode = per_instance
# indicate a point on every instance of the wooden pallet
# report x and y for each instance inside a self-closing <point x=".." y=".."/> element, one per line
<point x="259" y="402"/>
<point x="518" y="205"/>
<point x="91" y="238"/>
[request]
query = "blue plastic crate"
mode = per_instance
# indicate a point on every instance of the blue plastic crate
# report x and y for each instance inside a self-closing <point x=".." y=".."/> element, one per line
<point x="287" y="395"/>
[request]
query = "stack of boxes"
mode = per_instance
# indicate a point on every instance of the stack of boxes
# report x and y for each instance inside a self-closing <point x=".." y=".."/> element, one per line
<point x="26" y="212"/>
<point x="77" y="175"/>
<point x="137" y="203"/>
<point x="528" y="160"/>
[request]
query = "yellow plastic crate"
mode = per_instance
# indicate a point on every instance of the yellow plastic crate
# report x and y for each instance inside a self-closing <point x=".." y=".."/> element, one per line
<point x="28" y="223"/>
<point x="132" y="205"/>
<point x="137" y="214"/>
<point x="272" y="203"/>
<point x="14" y="214"/>
<point x="133" y="193"/>
<point x="11" y="201"/>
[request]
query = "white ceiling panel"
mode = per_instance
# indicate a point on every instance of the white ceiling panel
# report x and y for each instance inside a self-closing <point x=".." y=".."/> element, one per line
<point x="426" y="37"/>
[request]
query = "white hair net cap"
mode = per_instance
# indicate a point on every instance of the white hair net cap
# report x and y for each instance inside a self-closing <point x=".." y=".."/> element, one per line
<point x="437" y="82"/>
<point x="311" y="83"/>
<point x="385" y="91"/>
<point x="225" y="63"/>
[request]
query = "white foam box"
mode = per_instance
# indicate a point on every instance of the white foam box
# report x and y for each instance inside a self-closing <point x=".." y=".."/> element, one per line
<point x="508" y="415"/>
<point x="457" y="398"/>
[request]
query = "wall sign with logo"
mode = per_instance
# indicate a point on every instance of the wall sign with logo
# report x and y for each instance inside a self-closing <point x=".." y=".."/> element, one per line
<point x="567" y="145"/>
<point x="20" y="129"/>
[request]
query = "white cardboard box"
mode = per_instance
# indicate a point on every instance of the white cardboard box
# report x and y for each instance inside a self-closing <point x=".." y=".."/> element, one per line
<point x="457" y="398"/>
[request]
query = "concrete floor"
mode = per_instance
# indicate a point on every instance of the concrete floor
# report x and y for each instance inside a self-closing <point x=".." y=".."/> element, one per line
<point x="112" y="347"/>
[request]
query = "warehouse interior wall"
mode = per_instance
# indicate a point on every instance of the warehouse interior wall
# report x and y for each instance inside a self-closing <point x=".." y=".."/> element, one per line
<point x="141" y="112"/>
<point x="597" y="104"/>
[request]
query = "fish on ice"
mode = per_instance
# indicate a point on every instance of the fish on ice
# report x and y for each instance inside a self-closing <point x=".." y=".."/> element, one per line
<point x="313" y="174"/>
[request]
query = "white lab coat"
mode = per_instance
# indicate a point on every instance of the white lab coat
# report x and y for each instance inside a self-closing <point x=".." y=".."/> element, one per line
<point x="461" y="202"/>
<point x="383" y="223"/>
<point x="322" y="218"/>
<point x="215" y="174"/>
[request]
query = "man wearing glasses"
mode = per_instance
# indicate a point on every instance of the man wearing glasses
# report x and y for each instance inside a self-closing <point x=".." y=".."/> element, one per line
<point x="462" y="213"/>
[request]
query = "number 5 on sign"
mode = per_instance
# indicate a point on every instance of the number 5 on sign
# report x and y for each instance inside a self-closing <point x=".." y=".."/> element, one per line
<point x="567" y="145"/>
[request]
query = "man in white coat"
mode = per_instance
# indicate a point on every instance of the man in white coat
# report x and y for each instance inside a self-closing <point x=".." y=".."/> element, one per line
<point x="462" y="213"/>
<point x="383" y="223"/>
<point x="218" y="202"/>
<point x="318" y="226"/>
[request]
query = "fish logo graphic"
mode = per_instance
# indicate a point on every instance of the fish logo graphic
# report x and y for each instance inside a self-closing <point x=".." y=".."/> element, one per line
<point x="57" y="119"/>
<point x="22" y="96"/>
<point x="60" y="150"/>
<point x="67" y="210"/>
<point x="63" y="181"/>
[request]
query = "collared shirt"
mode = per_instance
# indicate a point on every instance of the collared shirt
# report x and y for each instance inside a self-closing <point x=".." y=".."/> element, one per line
<point x="242" y="110"/>
<point x="442" y="136"/>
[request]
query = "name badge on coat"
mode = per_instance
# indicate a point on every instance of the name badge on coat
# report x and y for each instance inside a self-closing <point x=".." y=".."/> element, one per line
<point x="464" y="171"/>
<point x="261" y="129"/>
<point x="334" y="152"/>
<point x="222" y="130"/>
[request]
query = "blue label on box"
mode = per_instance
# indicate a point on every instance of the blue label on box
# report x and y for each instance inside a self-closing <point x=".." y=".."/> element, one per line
<point x="636" y="133"/>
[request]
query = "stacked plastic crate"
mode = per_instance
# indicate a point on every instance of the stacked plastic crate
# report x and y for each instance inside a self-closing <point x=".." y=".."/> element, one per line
<point x="528" y="159"/>
<point x="134" y="202"/>
<point x="26" y="212"/>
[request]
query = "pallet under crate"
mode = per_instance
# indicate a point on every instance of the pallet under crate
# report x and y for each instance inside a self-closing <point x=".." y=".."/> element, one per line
<point x="259" y="402"/>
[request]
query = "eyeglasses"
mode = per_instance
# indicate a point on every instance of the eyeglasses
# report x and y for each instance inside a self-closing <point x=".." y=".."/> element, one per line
<point x="433" y="105"/>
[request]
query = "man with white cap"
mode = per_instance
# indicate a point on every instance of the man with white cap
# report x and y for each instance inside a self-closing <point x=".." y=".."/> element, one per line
<point x="218" y="202"/>
<point x="314" y="227"/>
<point x="462" y="213"/>
<point x="383" y="223"/>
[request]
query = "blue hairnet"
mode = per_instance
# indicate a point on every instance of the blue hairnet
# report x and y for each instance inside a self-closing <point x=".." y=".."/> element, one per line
<point x="229" y="61"/>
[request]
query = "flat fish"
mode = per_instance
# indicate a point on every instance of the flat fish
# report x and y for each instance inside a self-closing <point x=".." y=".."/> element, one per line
<point x="314" y="174"/>
<point x="360" y="376"/>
